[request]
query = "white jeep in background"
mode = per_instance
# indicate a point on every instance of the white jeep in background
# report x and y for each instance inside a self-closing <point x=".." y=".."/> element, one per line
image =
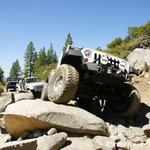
<point x="85" y="74"/>
<point x="31" y="83"/>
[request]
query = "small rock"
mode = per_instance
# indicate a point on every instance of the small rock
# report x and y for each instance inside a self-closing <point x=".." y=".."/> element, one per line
<point x="30" y="136"/>
<point x="104" y="143"/>
<point x="24" y="135"/>
<point x="146" y="130"/>
<point x="146" y="76"/>
<point x="141" y="139"/>
<point x="5" y="138"/>
<point x="118" y="138"/>
<point x="37" y="133"/>
<point x="52" y="131"/>
<point x="29" y="144"/>
<point x="53" y="142"/>
<point x="133" y="132"/>
<point x="88" y="136"/>
<point x="121" y="129"/>
<point x="123" y="145"/>
<point x="113" y="130"/>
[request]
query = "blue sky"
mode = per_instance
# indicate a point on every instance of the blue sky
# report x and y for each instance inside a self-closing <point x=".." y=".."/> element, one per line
<point x="91" y="23"/>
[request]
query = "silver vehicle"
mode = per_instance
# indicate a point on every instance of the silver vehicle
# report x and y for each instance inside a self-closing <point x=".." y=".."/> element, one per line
<point x="85" y="74"/>
<point x="31" y="83"/>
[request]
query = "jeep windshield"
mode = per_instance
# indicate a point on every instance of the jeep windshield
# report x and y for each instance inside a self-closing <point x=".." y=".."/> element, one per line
<point x="12" y="79"/>
<point x="32" y="80"/>
<point x="74" y="48"/>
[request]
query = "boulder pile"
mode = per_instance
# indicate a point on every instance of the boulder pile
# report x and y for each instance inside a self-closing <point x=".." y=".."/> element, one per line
<point x="28" y="123"/>
<point x="37" y="124"/>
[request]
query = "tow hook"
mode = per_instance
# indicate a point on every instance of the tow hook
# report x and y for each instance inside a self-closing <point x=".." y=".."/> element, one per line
<point x="99" y="69"/>
<point x="127" y="77"/>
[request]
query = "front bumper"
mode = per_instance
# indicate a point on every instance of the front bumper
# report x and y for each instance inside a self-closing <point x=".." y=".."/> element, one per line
<point x="10" y="86"/>
<point x="107" y="74"/>
<point x="38" y="89"/>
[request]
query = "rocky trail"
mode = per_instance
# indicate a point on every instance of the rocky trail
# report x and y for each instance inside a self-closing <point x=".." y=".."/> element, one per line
<point x="28" y="123"/>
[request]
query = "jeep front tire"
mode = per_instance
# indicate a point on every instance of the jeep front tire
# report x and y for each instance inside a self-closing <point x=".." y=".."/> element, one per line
<point x="63" y="84"/>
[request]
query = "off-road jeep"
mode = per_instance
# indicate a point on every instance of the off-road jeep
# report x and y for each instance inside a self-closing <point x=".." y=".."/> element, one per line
<point x="11" y="83"/>
<point x="32" y="84"/>
<point x="84" y="73"/>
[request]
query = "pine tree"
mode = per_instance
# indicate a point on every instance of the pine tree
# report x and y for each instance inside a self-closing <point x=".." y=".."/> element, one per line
<point x="68" y="42"/>
<point x="15" y="70"/>
<point x="55" y="58"/>
<point x="1" y="72"/>
<point x="30" y="60"/>
<point x="50" y="54"/>
<point x="41" y="59"/>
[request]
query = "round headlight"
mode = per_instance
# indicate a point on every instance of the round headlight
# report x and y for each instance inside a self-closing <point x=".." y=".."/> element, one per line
<point x="88" y="53"/>
<point x="104" y="60"/>
<point x="122" y="65"/>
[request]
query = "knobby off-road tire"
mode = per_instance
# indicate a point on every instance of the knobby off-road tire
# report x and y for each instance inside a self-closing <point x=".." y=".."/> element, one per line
<point x="63" y="84"/>
<point x="44" y="95"/>
<point x="128" y="103"/>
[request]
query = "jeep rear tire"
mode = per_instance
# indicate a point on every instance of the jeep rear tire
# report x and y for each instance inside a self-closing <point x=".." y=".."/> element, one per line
<point x="63" y="84"/>
<point x="44" y="95"/>
<point x="127" y="104"/>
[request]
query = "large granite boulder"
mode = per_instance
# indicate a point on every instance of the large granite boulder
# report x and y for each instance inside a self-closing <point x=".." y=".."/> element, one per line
<point x="6" y="100"/>
<point x="37" y="114"/>
<point x="23" y="96"/>
<point x="138" y="58"/>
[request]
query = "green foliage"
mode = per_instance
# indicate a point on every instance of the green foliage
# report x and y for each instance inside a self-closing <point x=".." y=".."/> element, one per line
<point x="99" y="49"/>
<point x="145" y="43"/>
<point x="133" y="31"/>
<point x="30" y="59"/>
<point x="44" y="71"/>
<point x="68" y="42"/>
<point x="1" y="89"/>
<point x="1" y="86"/>
<point x="41" y="59"/>
<point x="51" y="55"/>
<point x="136" y="38"/>
<point x="114" y="43"/>
<point x="1" y="72"/>
<point x="15" y="70"/>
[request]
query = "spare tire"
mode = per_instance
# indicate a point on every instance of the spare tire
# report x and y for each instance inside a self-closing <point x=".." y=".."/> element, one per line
<point x="127" y="104"/>
<point x="63" y="84"/>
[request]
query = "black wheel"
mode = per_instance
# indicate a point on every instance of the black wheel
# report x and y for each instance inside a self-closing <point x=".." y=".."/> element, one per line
<point x="44" y="95"/>
<point x="127" y="104"/>
<point x="63" y="84"/>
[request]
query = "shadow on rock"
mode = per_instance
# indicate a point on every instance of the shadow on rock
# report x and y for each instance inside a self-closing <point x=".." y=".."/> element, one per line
<point x="142" y="116"/>
<point x="68" y="142"/>
<point x="140" y="119"/>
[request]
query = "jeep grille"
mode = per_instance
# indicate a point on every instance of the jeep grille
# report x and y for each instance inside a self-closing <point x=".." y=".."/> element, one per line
<point x="111" y="61"/>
